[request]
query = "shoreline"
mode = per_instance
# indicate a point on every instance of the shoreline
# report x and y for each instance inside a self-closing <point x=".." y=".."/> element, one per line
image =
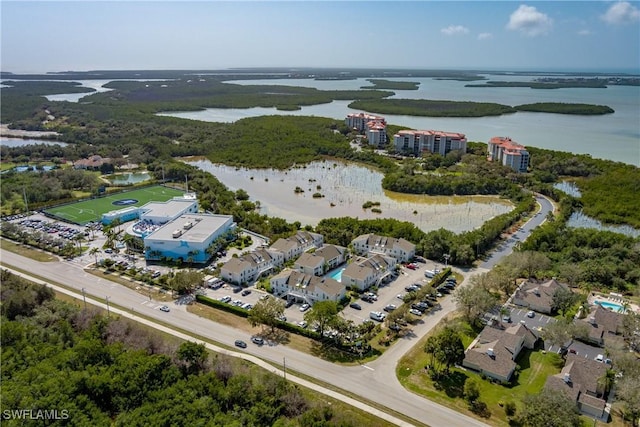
<point x="18" y="133"/>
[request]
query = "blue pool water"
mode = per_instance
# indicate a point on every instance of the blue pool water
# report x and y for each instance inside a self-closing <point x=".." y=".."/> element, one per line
<point x="337" y="275"/>
<point x="610" y="305"/>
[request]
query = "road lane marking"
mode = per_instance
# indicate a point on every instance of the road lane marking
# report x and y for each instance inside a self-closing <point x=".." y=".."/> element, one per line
<point x="368" y="367"/>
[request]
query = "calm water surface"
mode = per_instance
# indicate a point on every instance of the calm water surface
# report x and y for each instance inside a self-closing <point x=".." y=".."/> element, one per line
<point x="20" y="142"/>
<point x="347" y="187"/>
<point x="613" y="136"/>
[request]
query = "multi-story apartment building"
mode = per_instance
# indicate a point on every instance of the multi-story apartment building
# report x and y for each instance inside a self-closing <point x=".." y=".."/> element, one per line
<point x="373" y="127"/>
<point x="400" y="249"/>
<point x="294" y="246"/>
<point x="249" y="267"/>
<point x="434" y="141"/>
<point x="299" y="286"/>
<point x="321" y="261"/>
<point x="368" y="272"/>
<point x="509" y="153"/>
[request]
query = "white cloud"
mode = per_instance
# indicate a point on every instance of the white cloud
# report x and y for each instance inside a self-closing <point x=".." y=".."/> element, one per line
<point x="485" y="36"/>
<point x="584" y="33"/>
<point x="621" y="13"/>
<point x="452" y="30"/>
<point x="529" y="21"/>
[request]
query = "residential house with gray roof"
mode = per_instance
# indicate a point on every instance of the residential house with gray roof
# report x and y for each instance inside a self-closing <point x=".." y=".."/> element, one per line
<point x="537" y="296"/>
<point x="580" y="381"/>
<point x="601" y="324"/>
<point x="495" y="350"/>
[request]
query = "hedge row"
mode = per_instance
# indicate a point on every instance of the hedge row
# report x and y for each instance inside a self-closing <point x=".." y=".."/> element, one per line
<point x="222" y="306"/>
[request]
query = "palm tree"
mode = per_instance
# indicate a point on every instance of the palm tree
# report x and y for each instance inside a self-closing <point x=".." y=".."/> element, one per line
<point x="606" y="381"/>
<point x="79" y="238"/>
<point x="95" y="251"/>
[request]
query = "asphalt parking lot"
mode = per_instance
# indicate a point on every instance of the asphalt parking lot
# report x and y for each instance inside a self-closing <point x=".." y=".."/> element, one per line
<point x="387" y="294"/>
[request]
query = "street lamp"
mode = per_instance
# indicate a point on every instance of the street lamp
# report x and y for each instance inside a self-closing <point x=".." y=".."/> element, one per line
<point x="84" y="297"/>
<point x="446" y="259"/>
<point x="108" y="313"/>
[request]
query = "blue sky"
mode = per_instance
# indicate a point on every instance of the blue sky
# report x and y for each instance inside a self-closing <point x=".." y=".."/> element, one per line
<point x="532" y="35"/>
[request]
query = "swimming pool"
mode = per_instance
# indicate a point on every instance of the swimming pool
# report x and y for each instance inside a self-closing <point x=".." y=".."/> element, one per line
<point x="611" y="306"/>
<point x="337" y="275"/>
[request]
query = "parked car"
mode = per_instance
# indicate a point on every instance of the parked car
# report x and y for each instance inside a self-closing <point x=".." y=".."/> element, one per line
<point x="304" y="307"/>
<point x="389" y="308"/>
<point x="246" y="292"/>
<point x="302" y="324"/>
<point x="416" y="312"/>
<point x="288" y="304"/>
<point x="257" y="340"/>
<point x="530" y="314"/>
<point x="377" y="315"/>
<point x="355" y="305"/>
<point x="506" y="318"/>
<point x="225" y="299"/>
<point x="241" y="344"/>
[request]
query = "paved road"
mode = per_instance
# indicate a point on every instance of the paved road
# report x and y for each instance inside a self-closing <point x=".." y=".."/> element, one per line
<point x="506" y="248"/>
<point x="376" y="382"/>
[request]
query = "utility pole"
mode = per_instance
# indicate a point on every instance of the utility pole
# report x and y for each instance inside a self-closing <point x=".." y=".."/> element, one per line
<point x="26" y="203"/>
<point x="84" y="298"/>
<point x="446" y="259"/>
<point x="108" y="312"/>
<point x="284" y="368"/>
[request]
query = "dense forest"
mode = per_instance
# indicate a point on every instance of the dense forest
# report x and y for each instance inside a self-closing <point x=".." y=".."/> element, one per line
<point x="100" y="371"/>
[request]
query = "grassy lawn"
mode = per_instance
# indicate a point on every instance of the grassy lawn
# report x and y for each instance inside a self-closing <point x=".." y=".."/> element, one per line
<point x="535" y="368"/>
<point x="27" y="251"/>
<point x="92" y="210"/>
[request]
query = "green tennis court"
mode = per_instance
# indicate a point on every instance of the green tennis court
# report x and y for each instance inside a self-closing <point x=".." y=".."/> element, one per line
<point x="92" y="210"/>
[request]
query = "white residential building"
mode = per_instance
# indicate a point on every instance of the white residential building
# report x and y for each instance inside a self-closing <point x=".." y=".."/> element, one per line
<point x="434" y="141"/>
<point x="373" y="127"/>
<point x="294" y="246"/>
<point x="321" y="261"/>
<point x="365" y="273"/>
<point x="509" y="153"/>
<point x="249" y="267"/>
<point x="400" y="249"/>
<point x="306" y="287"/>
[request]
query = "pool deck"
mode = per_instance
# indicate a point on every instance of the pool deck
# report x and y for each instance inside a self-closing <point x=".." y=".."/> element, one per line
<point x="613" y="298"/>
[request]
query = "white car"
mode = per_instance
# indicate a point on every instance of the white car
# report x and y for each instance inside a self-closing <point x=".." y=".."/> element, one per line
<point x="164" y="308"/>
<point x="304" y="307"/>
<point x="530" y="314"/>
<point x="599" y="358"/>
<point x="302" y="324"/>
<point x="377" y="315"/>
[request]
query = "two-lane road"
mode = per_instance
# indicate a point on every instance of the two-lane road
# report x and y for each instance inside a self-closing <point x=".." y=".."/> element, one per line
<point x="375" y="382"/>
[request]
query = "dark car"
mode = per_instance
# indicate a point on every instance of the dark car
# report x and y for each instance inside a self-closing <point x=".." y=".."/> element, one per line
<point x="237" y="289"/>
<point x="241" y="344"/>
<point x="289" y="304"/>
<point x="246" y="292"/>
<point x="355" y="306"/>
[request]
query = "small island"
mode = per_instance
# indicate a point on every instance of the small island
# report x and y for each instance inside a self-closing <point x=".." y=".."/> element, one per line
<point x="566" y="108"/>
<point x="432" y="108"/>
<point x="391" y="85"/>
